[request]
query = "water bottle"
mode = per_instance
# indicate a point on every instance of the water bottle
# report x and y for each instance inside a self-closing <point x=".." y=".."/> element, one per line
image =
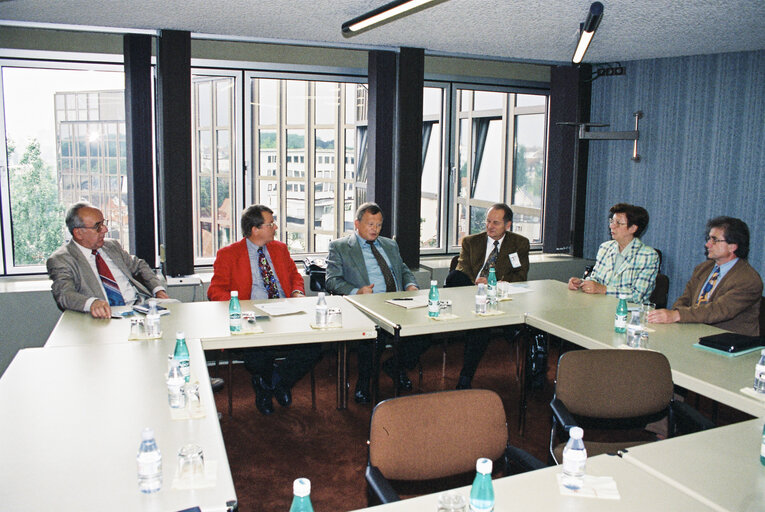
<point x="149" y="463"/>
<point x="482" y="491"/>
<point x="181" y="355"/>
<point x="762" y="447"/>
<point x="491" y="289"/>
<point x="759" y="374"/>
<point x="634" y="330"/>
<point x="153" y="326"/>
<point x="175" y="381"/>
<point x="301" y="502"/>
<point x="574" y="459"/>
<point x="480" y="300"/>
<point x="321" y="310"/>
<point x="620" y="320"/>
<point x="434" y="307"/>
<point x="234" y="313"/>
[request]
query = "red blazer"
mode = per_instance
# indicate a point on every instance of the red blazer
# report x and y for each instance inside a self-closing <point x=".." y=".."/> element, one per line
<point x="231" y="271"/>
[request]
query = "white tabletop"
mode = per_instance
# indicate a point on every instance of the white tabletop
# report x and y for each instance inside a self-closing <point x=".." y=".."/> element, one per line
<point x="720" y="466"/>
<point x="538" y="490"/>
<point x="71" y="425"/>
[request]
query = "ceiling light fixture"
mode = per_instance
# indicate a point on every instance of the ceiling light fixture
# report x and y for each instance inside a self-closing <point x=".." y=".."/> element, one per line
<point x="587" y="30"/>
<point x="385" y="13"/>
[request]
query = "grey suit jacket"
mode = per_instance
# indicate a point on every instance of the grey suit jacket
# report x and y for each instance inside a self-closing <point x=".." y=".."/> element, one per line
<point x="346" y="269"/>
<point x="74" y="282"/>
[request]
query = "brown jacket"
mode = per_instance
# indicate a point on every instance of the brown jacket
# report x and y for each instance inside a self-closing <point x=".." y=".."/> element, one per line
<point x="473" y="255"/>
<point x="734" y="304"/>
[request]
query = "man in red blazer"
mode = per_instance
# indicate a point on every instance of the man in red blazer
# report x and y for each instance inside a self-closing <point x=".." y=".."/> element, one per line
<point x="259" y="267"/>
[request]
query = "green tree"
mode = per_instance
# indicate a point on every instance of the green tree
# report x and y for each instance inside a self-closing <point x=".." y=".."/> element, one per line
<point x="37" y="216"/>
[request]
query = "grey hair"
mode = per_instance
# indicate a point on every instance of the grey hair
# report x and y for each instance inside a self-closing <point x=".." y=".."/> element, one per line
<point x="372" y="208"/>
<point x="73" y="219"/>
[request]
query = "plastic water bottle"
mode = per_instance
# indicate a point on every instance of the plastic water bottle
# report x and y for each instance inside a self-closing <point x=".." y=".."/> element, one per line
<point x="321" y="310"/>
<point x="153" y="326"/>
<point x="301" y="502"/>
<point x="181" y="355"/>
<point x="620" y="320"/>
<point x="149" y="463"/>
<point x="759" y="374"/>
<point x="634" y="329"/>
<point x="234" y="313"/>
<point x="434" y="308"/>
<point x="175" y="381"/>
<point x="480" y="300"/>
<point x="482" y="491"/>
<point x="491" y="289"/>
<point x="574" y="459"/>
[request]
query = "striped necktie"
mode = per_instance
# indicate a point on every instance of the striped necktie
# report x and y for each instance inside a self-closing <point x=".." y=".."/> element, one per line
<point x="390" y="282"/>
<point x="111" y="287"/>
<point x="707" y="291"/>
<point x="491" y="260"/>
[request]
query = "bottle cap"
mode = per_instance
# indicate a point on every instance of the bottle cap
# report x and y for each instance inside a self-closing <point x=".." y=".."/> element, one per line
<point x="433" y="283"/>
<point x="234" y="293"/>
<point x="180" y="335"/>
<point x="576" y="432"/>
<point x="301" y="487"/>
<point x="147" y="434"/>
<point x="321" y="294"/>
<point x="763" y="352"/>
<point x="481" y="286"/>
<point x="483" y="466"/>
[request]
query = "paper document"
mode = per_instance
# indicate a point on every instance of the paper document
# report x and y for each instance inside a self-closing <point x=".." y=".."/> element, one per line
<point x="279" y="308"/>
<point x="419" y="301"/>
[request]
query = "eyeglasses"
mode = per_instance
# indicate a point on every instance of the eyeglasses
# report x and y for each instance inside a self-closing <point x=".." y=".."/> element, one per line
<point x="714" y="240"/>
<point x="268" y="225"/>
<point x="97" y="226"/>
<point x="612" y="221"/>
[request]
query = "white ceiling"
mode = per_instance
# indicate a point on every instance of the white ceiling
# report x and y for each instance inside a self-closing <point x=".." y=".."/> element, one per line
<point x="531" y="30"/>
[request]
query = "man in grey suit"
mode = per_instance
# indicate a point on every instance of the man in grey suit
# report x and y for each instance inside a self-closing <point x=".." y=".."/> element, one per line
<point x="74" y="268"/>
<point x="368" y="263"/>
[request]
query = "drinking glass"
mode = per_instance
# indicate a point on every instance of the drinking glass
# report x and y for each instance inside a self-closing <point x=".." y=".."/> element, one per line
<point x="191" y="463"/>
<point x="645" y="308"/>
<point x="445" y="306"/>
<point x="452" y="501"/>
<point x="334" y="317"/>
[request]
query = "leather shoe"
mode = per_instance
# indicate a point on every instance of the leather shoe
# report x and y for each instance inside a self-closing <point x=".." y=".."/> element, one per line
<point x="362" y="395"/>
<point x="399" y="377"/>
<point x="262" y="397"/>
<point x="283" y="396"/>
<point x="216" y="383"/>
<point x="464" y="383"/>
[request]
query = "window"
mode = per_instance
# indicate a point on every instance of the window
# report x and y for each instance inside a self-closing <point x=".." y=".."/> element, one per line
<point x="64" y="142"/>
<point x="305" y="139"/>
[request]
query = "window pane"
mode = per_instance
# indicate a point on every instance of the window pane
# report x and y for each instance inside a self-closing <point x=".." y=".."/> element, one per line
<point x="430" y="203"/>
<point x="223" y="88"/>
<point x="267" y="156"/>
<point x="349" y="210"/>
<point x="528" y="175"/>
<point x="325" y="154"/>
<point x="296" y="96"/>
<point x="350" y="103"/>
<point x="224" y="152"/>
<point x="204" y="147"/>
<point x="529" y="100"/>
<point x="268" y="101"/>
<point x="204" y="107"/>
<point x="477" y="219"/>
<point x="268" y="194"/>
<point x="41" y="106"/>
<point x="324" y="206"/>
<point x="465" y="100"/>
<point x="321" y="242"/>
<point x="431" y="101"/>
<point x="326" y="102"/>
<point x="464" y="155"/>
<point x="350" y="154"/>
<point x="487" y="100"/>
<point x="462" y="222"/>
<point x="487" y="186"/>
<point x="296" y="153"/>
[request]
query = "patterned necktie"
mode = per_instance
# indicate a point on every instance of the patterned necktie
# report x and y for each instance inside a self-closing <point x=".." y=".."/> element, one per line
<point x="704" y="297"/>
<point x="269" y="280"/>
<point x="491" y="260"/>
<point x="111" y="287"/>
<point x="390" y="283"/>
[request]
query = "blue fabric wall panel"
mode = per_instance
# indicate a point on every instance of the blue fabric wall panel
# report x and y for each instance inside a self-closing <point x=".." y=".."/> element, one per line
<point x="702" y="143"/>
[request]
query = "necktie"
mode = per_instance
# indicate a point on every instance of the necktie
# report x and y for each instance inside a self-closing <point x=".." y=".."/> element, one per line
<point x="704" y="297"/>
<point x="390" y="283"/>
<point x="269" y="281"/>
<point x="491" y="260"/>
<point x="111" y="287"/>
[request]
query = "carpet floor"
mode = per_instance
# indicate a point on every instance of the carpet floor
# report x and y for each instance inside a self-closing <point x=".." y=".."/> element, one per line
<point x="328" y="446"/>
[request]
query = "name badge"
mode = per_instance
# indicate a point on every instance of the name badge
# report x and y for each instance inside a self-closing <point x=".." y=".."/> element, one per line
<point x="515" y="261"/>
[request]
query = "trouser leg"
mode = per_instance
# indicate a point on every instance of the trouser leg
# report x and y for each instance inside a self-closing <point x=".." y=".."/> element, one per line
<point x="297" y="362"/>
<point x="476" y="343"/>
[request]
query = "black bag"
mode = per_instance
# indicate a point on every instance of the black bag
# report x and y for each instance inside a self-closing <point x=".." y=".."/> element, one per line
<point x="316" y="270"/>
<point x="730" y="342"/>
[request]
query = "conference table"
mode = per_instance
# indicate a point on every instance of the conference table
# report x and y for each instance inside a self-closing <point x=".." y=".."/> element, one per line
<point x="208" y="322"/>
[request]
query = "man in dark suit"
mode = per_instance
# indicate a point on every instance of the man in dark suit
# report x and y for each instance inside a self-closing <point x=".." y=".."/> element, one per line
<point x="724" y="291"/>
<point x="74" y="268"/>
<point x="365" y="262"/>
<point x="259" y="267"/>
<point x="497" y="247"/>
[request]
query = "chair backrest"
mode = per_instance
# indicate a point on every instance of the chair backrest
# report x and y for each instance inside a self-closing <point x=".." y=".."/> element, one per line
<point x="453" y="264"/>
<point x="762" y="318"/>
<point x="614" y="384"/>
<point x="660" y="291"/>
<point x="433" y="435"/>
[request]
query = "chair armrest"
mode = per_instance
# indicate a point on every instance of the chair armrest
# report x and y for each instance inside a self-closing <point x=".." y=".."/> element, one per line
<point x="561" y="414"/>
<point x="521" y="461"/>
<point x="380" y="486"/>
<point x="688" y="419"/>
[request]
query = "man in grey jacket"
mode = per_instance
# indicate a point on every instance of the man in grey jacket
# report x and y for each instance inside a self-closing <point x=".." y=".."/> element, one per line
<point x="365" y="262"/>
<point x="91" y="274"/>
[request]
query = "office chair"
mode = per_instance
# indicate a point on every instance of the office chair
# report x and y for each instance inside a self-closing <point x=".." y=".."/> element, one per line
<point x="615" y="393"/>
<point x="437" y="435"/>
<point x="661" y="290"/>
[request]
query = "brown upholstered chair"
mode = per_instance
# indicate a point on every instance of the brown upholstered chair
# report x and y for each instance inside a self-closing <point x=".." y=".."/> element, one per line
<point x="436" y="435"/>
<point x="615" y="389"/>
